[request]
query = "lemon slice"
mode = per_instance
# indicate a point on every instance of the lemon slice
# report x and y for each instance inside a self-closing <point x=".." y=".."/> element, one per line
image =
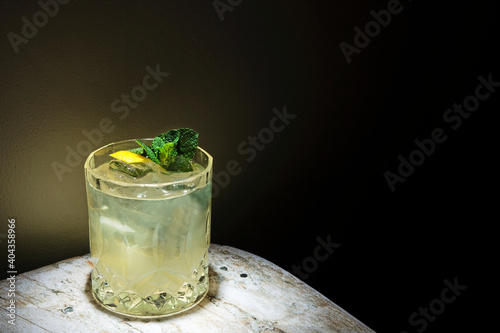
<point x="129" y="157"/>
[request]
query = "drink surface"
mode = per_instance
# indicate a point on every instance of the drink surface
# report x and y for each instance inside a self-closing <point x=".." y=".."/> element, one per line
<point x="149" y="244"/>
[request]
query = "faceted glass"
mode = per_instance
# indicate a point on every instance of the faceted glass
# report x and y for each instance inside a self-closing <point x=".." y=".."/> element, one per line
<point x="149" y="237"/>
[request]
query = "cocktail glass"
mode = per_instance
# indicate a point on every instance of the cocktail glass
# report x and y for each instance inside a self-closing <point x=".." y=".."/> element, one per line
<point x="148" y="241"/>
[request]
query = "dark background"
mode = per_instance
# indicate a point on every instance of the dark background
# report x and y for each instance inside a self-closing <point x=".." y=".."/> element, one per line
<point x="322" y="175"/>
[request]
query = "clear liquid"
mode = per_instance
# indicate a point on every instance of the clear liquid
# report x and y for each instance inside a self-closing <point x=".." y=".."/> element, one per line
<point x="150" y="255"/>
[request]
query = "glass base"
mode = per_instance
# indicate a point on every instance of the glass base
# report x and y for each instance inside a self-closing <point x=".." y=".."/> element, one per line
<point x="157" y="305"/>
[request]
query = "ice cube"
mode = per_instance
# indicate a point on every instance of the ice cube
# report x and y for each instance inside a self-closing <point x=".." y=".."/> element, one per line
<point x="135" y="170"/>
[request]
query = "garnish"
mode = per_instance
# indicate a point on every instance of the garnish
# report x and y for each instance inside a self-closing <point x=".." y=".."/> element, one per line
<point x="129" y="157"/>
<point x="172" y="150"/>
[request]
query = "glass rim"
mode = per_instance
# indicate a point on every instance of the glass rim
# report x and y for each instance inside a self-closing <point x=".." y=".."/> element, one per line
<point x="200" y="174"/>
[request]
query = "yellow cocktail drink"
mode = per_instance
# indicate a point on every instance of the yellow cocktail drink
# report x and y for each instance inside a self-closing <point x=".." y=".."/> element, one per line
<point x="149" y="235"/>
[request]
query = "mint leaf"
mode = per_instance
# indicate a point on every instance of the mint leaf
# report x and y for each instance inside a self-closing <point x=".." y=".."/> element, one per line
<point x="138" y="151"/>
<point x="166" y="153"/>
<point x="180" y="163"/>
<point x="188" y="141"/>
<point x="157" y="144"/>
<point x="171" y="136"/>
<point x="163" y="150"/>
<point x="149" y="152"/>
<point x="173" y="150"/>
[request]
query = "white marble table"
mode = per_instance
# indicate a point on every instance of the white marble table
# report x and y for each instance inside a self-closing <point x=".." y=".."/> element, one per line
<point x="247" y="294"/>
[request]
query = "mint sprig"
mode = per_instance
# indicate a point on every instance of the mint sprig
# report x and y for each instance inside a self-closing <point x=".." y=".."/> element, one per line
<point x="172" y="150"/>
<point x="149" y="152"/>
